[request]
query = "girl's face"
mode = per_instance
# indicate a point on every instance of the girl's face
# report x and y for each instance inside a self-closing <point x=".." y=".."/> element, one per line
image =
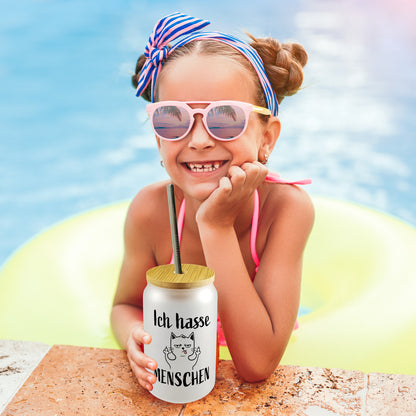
<point x="197" y="162"/>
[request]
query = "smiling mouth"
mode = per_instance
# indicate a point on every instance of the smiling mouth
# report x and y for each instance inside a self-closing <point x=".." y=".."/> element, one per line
<point x="204" y="166"/>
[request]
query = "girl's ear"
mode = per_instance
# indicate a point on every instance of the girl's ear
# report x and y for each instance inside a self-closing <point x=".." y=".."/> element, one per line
<point x="158" y="142"/>
<point x="270" y="136"/>
<point x="160" y="151"/>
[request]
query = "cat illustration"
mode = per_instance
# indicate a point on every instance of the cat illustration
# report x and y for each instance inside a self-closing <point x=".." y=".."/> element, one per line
<point x="182" y="351"/>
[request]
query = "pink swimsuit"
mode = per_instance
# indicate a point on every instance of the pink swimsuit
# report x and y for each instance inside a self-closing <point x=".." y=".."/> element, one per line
<point x="271" y="177"/>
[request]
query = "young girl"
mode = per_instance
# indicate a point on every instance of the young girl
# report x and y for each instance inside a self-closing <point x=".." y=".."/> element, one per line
<point x="214" y="113"/>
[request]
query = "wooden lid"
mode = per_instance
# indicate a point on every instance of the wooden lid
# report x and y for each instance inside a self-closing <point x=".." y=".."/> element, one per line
<point x="192" y="276"/>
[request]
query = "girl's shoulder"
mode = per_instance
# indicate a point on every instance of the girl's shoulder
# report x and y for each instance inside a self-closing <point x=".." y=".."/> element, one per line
<point x="149" y="204"/>
<point x="285" y="200"/>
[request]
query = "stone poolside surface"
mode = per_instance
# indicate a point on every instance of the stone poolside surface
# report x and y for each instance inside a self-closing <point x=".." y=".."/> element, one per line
<point x="36" y="379"/>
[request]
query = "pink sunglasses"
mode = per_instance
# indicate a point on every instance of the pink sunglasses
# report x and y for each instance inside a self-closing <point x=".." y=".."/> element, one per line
<point x="224" y="120"/>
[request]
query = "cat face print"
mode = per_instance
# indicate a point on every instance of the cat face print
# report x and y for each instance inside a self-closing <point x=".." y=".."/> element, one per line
<point x="181" y="345"/>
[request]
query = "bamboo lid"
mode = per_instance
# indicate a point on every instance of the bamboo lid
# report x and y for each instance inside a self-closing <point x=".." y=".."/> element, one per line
<point x="192" y="276"/>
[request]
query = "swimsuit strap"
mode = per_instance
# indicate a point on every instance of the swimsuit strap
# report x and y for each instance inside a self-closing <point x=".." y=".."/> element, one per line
<point x="274" y="178"/>
<point x="254" y="229"/>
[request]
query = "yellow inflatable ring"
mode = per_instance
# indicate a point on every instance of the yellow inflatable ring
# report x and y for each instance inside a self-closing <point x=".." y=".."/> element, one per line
<point x="359" y="285"/>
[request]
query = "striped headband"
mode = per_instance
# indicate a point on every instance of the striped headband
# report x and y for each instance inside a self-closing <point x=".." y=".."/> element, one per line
<point x="179" y="25"/>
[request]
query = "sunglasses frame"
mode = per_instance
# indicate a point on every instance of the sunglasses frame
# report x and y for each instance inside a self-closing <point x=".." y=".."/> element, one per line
<point x="246" y="107"/>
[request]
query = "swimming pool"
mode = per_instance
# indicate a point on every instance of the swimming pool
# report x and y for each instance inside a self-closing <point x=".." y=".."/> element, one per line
<point x="74" y="136"/>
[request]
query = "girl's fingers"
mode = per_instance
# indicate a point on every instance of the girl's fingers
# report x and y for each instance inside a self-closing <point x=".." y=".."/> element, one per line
<point x="225" y="202"/>
<point x="255" y="173"/>
<point x="225" y="185"/>
<point x="141" y="359"/>
<point x="247" y="177"/>
<point x="140" y="336"/>
<point x="237" y="176"/>
<point x="144" y="377"/>
<point x="140" y="363"/>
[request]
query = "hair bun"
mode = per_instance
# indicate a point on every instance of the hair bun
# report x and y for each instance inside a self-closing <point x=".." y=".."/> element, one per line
<point x="283" y="63"/>
<point x="147" y="95"/>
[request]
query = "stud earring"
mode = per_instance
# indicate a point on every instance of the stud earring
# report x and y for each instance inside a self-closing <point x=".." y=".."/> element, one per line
<point x="266" y="157"/>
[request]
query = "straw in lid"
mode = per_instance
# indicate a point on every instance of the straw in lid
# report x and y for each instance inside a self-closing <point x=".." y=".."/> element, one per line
<point x="192" y="276"/>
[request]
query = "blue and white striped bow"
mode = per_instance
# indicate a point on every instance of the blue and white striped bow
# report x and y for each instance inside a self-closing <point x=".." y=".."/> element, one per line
<point x="165" y="31"/>
<point x="176" y="25"/>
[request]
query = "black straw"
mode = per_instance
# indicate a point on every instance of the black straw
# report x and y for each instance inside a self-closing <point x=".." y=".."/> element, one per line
<point x="174" y="229"/>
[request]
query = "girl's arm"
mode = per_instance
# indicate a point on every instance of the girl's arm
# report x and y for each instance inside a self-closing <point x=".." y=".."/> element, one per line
<point x="258" y="318"/>
<point x="127" y="312"/>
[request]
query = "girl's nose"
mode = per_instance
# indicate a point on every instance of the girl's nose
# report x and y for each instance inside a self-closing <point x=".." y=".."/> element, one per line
<point x="199" y="138"/>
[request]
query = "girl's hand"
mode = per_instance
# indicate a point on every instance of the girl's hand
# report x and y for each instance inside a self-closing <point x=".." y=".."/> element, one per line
<point x="138" y="360"/>
<point x="223" y="205"/>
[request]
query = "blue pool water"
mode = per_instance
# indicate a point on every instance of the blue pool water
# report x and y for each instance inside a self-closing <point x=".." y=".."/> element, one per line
<point x="73" y="135"/>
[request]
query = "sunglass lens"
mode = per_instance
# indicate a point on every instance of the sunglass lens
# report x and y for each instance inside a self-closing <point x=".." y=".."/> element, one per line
<point x="170" y="122"/>
<point x="226" y="121"/>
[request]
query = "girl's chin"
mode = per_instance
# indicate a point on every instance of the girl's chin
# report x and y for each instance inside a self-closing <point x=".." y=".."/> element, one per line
<point x="201" y="191"/>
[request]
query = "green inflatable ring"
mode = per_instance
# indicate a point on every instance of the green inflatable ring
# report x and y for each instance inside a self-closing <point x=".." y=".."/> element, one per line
<point x="359" y="285"/>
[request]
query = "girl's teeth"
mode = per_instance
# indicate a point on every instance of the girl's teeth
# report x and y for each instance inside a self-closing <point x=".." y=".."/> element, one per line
<point x="198" y="167"/>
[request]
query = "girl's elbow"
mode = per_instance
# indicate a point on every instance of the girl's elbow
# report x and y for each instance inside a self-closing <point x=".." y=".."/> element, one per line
<point x="257" y="372"/>
<point x="256" y="375"/>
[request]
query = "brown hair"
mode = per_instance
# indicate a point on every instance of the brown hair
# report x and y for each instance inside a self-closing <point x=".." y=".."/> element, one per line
<point x="283" y="63"/>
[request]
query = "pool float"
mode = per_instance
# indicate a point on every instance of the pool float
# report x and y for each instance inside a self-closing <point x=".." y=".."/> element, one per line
<point x="359" y="285"/>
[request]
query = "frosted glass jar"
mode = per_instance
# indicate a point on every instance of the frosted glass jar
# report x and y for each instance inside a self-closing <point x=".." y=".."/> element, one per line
<point x="180" y="313"/>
